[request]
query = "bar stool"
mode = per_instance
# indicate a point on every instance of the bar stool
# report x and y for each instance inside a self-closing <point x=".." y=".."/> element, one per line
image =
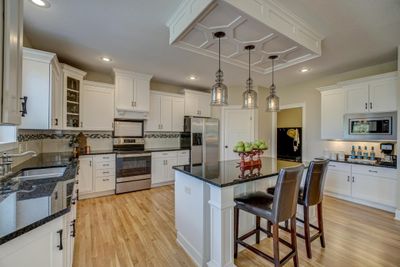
<point x="310" y="195"/>
<point x="275" y="208"/>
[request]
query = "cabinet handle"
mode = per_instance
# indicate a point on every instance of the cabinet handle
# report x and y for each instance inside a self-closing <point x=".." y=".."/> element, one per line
<point x="331" y="165"/>
<point x="352" y="179"/>
<point x="105" y="180"/>
<point x="56" y="122"/>
<point x="56" y="195"/>
<point x="60" y="245"/>
<point x="366" y="105"/>
<point x="370" y="105"/>
<point x="24" y="110"/>
<point x="106" y="165"/>
<point x="90" y="163"/>
<point x="373" y="171"/>
<point x="73" y="228"/>
<point x="106" y="172"/>
<point x="348" y="178"/>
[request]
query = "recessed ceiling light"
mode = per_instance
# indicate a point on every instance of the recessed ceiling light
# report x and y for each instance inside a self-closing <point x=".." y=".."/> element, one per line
<point x="106" y="59"/>
<point x="41" y="3"/>
<point x="192" y="78"/>
<point x="304" y="70"/>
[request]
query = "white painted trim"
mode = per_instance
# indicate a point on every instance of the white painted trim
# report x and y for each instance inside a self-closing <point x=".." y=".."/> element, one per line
<point x="132" y="74"/>
<point x="195" y="92"/>
<point x="397" y="214"/>
<point x="222" y="127"/>
<point x="97" y="194"/>
<point x="162" y="183"/>
<point x="387" y="75"/>
<point x="38" y="55"/>
<point x="156" y="92"/>
<point x="275" y="125"/>
<point x="98" y="84"/>
<point x="73" y="70"/>
<point x="189" y="249"/>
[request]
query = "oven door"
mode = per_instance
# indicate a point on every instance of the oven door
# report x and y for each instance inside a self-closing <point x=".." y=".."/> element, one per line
<point x="133" y="167"/>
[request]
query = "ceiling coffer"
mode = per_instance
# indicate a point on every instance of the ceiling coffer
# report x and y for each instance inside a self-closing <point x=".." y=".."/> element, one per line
<point x="271" y="28"/>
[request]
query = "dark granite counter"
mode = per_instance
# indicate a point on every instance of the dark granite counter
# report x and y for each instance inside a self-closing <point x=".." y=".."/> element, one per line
<point x="377" y="164"/>
<point x="226" y="173"/>
<point x="28" y="204"/>
<point x="165" y="149"/>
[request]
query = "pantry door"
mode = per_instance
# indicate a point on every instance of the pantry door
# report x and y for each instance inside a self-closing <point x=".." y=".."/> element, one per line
<point x="238" y="125"/>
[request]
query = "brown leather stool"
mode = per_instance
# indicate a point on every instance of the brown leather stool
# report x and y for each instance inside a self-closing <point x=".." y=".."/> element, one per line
<point x="310" y="195"/>
<point x="275" y="208"/>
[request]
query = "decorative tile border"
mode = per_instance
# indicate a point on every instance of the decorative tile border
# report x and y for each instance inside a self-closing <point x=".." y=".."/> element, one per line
<point x="24" y="136"/>
<point x="161" y="135"/>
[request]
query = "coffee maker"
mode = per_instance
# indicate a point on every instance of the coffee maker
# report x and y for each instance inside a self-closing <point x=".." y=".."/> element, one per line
<point x="387" y="152"/>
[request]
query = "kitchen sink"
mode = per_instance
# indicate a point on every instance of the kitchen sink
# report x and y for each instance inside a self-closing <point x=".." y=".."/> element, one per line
<point x="41" y="173"/>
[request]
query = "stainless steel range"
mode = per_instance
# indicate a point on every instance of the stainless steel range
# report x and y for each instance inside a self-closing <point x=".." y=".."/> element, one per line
<point x="133" y="165"/>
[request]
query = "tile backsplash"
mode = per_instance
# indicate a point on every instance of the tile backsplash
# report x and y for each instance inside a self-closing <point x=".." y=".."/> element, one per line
<point x="161" y="140"/>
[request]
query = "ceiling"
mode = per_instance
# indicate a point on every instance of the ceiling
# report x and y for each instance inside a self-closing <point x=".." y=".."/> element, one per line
<point x="134" y="34"/>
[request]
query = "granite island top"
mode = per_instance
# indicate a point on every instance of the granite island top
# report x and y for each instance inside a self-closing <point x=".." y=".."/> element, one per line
<point x="227" y="173"/>
<point x="28" y="204"/>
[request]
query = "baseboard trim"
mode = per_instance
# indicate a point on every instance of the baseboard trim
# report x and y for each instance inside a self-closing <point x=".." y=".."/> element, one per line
<point x="162" y="184"/>
<point x="189" y="249"/>
<point x="97" y="194"/>
<point x="397" y="214"/>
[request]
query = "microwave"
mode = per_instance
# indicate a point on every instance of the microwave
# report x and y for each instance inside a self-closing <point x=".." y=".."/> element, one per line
<point x="371" y="126"/>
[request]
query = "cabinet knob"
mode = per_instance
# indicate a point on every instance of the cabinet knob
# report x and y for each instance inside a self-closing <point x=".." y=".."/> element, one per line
<point x="366" y="105"/>
<point x="56" y="122"/>
<point x="24" y="110"/>
<point x="370" y="105"/>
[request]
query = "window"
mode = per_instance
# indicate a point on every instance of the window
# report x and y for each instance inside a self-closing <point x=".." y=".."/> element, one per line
<point x="8" y="137"/>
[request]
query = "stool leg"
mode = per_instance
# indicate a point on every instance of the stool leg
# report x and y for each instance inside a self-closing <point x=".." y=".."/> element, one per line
<point x="275" y="240"/>
<point x="287" y="224"/>
<point x="321" y="224"/>
<point x="269" y="228"/>
<point x="236" y="230"/>
<point x="258" y="219"/>
<point x="307" y="231"/>
<point x="294" y="240"/>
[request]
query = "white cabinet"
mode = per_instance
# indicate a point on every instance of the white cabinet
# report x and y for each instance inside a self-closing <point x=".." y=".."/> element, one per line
<point x="373" y="186"/>
<point x="166" y="112"/>
<point x="162" y="163"/>
<point x="11" y="68"/>
<point x="98" y="106"/>
<point x="41" y="85"/>
<point x="39" y="247"/>
<point x="377" y="94"/>
<point x="333" y="109"/>
<point x="132" y="94"/>
<point x="72" y="84"/>
<point x="197" y="103"/>
<point x="96" y="175"/>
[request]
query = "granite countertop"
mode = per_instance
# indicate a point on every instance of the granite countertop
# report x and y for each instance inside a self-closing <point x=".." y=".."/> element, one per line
<point x="165" y="149"/>
<point x="19" y="197"/>
<point x="226" y="173"/>
<point x="111" y="151"/>
<point x="377" y="164"/>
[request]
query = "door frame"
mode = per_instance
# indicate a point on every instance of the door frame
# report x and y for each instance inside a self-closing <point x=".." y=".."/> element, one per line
<point x="222" y="127"/>
<point x="301" y="105"/>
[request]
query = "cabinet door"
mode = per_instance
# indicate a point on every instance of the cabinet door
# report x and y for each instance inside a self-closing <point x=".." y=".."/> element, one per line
<point x="94" y="96"/>
<point x="169" y="172"/>
<point x="56" y="97"/>
<point x="85" y="175"/>
<point x="153" y="121"/>
<point x="333" y="106"/>
<point x="157" y="170"/>
<point x="191" y="104"/>
<point x="178" y="114"/>
<point x="376" y="189"/>
<point x="338" y="182"/>
<point x="36" y="87"/>
<point x="73" y="101"/>
<point x="357" y="98"/>
<point x="12" y="61"/>
<point x="383" y="95"/>
<point x="204" y="105"/>
<point x="141" y="100"/>
<point x="124" y="92"/>
<point x="166" y="113"/>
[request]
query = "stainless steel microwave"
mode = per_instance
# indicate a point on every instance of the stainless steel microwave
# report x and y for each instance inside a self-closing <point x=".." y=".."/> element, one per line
<point x="371" y="126"/>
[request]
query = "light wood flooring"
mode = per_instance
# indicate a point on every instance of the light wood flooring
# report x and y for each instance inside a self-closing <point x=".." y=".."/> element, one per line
<point x="137" y="229"/>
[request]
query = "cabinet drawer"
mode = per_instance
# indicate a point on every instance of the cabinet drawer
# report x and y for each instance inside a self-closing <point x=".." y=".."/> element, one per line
<point x="165" y="154"/>
<point x="104" y="172"/>
<point x="104" y="183"/>
<point x="183" y="153"/>
<point x="337" y="166"/>
<point x="183" y="160"/>
<point x="375" y="171"/>
<point x="103" y="158"/>
<point x="104" y="165"/>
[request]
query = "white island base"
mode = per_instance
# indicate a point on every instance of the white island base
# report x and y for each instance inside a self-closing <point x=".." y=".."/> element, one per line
<point x="204" y="218"/>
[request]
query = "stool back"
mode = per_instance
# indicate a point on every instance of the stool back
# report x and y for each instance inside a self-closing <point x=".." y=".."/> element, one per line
<point x="314" y="183"/>
<point x="286" y="193"/>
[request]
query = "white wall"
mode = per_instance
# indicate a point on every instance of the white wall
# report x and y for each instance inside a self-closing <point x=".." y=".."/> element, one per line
<point x="398" y="134"/>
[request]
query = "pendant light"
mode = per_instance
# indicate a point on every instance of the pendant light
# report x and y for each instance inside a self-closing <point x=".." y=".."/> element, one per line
<point x="272" y="99"/>
<point x="219" y="91"/>
<point x="249" y="96"/>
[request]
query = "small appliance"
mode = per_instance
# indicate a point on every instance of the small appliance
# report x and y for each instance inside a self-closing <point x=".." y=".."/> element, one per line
<point x="387" y="152"/>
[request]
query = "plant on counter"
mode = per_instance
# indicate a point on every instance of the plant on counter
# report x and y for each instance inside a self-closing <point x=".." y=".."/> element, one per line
<point x="248" y="147"/>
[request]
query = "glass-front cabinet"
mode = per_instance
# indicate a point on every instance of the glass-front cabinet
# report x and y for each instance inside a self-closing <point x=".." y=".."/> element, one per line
<point x="73" y="79"/>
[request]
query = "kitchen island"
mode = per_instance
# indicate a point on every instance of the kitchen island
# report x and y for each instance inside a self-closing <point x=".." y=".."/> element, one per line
<point x="204" y="204"/>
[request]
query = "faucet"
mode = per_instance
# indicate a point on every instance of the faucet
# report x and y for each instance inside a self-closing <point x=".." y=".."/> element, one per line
<point x="6" y="161"/>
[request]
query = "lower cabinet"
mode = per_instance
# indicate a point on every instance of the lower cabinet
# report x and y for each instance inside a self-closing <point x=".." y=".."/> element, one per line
<point x="373" y="186"/>
<point x="162" y="163"/>
<point x="96" y="175"/>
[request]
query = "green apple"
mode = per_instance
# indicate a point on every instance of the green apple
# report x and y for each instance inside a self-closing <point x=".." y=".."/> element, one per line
<point x="248" y="149"/>
<point x="240" y="149"/>
<point x="263" y="146"/>
<point x="240" y="143"/>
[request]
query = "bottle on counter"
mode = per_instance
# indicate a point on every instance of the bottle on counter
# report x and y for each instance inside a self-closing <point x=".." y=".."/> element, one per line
<point x="365" y="154"/>
<point x="353" y="152"/>
<point x="359" y="153"/>
<point x="372" y="153"/>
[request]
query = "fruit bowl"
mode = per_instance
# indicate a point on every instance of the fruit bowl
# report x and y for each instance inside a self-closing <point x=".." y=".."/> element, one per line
<point x="250" y="153"/>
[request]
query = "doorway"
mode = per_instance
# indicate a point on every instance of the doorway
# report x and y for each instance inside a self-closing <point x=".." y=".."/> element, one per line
<point x="289" y="134"/>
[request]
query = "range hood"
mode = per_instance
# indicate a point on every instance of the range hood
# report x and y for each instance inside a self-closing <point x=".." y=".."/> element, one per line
<point x="269" y="26"/>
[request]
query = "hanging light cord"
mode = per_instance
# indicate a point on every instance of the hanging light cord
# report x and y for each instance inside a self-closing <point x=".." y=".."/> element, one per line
<point x="219" y="53"/>
<point x="249" y="65"/>
<point x="273" y="71"/>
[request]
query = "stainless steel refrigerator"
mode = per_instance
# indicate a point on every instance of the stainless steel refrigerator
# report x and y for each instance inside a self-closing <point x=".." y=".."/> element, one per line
<point x="202" y="137"/>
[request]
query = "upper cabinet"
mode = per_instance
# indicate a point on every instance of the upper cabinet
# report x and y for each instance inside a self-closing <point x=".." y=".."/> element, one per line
<point x="333" y="108"/>
<point x="373" y="94"/>
<point x="98" y="106"/>
<point x="41" y="90"/>
<point x="11" y="67"/>
<point x="72" y="81"/>
<point x="166" y="112"/>
<point x="132" y="94"/>
<point x="197" y="104"/>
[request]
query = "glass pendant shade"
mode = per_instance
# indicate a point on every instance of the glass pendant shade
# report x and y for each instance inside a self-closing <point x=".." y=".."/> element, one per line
<point x="219" y="91"/>
<point x="249" y="95"/>
<point x="273" y="99"/>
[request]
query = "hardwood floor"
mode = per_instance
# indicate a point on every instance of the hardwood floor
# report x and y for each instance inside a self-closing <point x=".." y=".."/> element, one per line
<point x="137" y="229"/>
